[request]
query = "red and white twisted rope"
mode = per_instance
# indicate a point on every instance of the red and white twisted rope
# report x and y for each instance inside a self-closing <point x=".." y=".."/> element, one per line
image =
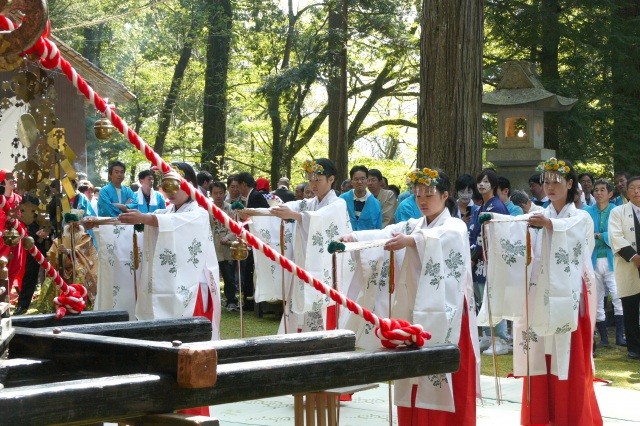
<point x="391" y="332"/>
<point x="72" y="297"/>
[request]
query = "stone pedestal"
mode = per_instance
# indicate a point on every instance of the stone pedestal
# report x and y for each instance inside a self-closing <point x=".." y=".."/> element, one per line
<point x="518" y="164"/>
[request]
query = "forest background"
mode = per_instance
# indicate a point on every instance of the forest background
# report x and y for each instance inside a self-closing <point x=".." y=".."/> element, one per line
<point x="252" y="85"/>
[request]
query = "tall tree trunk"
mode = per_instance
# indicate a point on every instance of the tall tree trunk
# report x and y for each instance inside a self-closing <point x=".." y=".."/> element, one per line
<point x="273" y="105"/>
<point x="214" y="126"/>
<point x="337" y="88"/>
<point x="625" y="61"/>
<point x="550" y="38"/>
<point x="176" y="83"/>
<point x="450" y="131"/>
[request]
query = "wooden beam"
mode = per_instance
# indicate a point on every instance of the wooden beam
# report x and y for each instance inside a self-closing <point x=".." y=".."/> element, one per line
<point x="29" y="372"/>
<point x="285" y="345"/>
<point x="94" y="353"/>
<point x="109" y="353"/>
<point x="118" y="397"/>
<point x="73" y="351"/>
<point x="89" y="317"/>
<point x="183" y="329"/>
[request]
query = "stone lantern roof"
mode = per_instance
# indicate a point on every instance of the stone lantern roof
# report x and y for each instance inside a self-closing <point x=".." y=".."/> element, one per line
<point x="520" y="88"/>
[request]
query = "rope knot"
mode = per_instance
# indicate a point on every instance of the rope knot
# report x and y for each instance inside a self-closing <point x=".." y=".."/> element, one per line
<point x="394" y="332"/>
<point x="73" y="300"/>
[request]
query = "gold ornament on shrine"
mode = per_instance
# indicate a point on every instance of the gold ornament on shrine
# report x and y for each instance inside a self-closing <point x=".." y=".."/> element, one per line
<point x="103" y="129"/>
<point x="11" y="237"/>
<point x="239" y="250"/>
<point x="28" y="243"/>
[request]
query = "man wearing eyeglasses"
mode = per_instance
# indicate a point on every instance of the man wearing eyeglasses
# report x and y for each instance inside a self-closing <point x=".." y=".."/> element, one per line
<point x="365" y="211"/>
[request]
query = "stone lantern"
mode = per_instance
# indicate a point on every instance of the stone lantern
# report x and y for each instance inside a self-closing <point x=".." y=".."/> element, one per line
<point x="520" y="101"/>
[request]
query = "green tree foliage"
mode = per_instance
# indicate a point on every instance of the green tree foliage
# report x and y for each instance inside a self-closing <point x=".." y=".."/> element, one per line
<point x="587" y="35"/>
<point x="279" y="68"/>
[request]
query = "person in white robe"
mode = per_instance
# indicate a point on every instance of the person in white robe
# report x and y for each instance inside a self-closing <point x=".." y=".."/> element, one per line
<point x="434" y="288"/>
<point x="551" y="301"/>
<point x="319" y="221"/>
<point x="180" y="276"/>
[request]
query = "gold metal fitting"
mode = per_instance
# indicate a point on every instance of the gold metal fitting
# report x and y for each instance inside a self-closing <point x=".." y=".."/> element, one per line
<point x="103" y="129"/>
<point x="170" y="185"/>
<point x="239" y="250"/>
<point x="11" y="237"/>
<point x="28" y="243"/>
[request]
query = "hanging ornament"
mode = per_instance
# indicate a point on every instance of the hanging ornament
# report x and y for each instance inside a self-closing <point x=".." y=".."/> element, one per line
<point x="239" y="250"/>
<point x="103" y="129"/>
<point x="11" y="237"/>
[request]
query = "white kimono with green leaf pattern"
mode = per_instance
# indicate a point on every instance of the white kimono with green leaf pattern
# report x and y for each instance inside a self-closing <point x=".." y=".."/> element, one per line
<point x="181" y="255"/>
<point x="116" y="290"/>
<point x="433" y="281"/>
<point x="269" y="274"/>
<point x="561" y="262"/>
<point x="322" y="222"/>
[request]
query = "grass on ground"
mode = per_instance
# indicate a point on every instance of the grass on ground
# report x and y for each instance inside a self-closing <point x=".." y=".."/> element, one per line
<point x="611" y="363"/>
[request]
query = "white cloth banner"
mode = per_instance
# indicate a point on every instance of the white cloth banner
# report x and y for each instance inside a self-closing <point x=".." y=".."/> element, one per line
<point x="269" y="274"/>
<point x="116" y="289"/>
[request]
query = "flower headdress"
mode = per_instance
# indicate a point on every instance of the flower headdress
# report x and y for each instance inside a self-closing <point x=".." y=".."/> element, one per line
<point x="312" y="169"/>
<point x="553" y="167"/>
<point x="310" y="166"/>
<point x="424" y="176"/>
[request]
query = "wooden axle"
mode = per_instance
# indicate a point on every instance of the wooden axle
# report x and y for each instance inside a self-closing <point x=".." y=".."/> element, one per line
<point x="87" y="317"/>
<point x="117" y="397"/>
<point x="186" y="330"/>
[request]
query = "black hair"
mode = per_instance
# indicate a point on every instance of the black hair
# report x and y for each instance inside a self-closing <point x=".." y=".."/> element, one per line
<point x="84" y="188"/>
<point x="328" y="166"/>
<point x="355" y="169"/>
<point x="375" y="173"/>
<point x="465" y="181"/>
<point x="246" y="177"/>
<point x="503" y="183"/>
<point x="589" y="175"/>
<point x="571" y="194"/>
<point x="630" y="179"/>
<point x="444" y="185"/>
<point x="491" y="176"/>
<point x="535" y="178"/>
<point x="395" y="189"/>
<point x="232" y="178"/>
<point x="145" y="173"/>
<point x="218" y="184"/>
<point x="189" y="173"/>
<point x="604" y="182"/>
<point x="203" y="176"/>
<point x="116" y="164"/>
<point x="622" y="173"/>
